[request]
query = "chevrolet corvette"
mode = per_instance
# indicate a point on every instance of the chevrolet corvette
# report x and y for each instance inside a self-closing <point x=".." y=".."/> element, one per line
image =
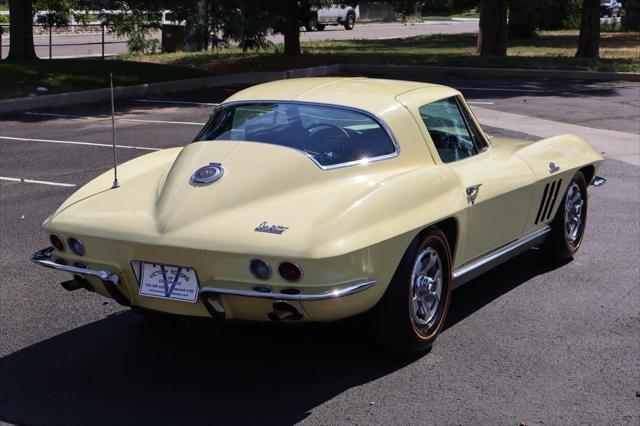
<point x="317" y="199"/>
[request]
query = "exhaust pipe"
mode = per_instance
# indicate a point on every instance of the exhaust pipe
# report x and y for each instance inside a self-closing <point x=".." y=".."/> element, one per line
<point x="77" y="283"/>
<point x="285" y="311"/>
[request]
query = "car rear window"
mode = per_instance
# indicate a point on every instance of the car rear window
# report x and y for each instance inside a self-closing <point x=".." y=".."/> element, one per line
<point x="330" y="135"/>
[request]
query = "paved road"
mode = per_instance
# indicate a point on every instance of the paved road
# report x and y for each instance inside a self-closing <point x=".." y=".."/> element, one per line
<point x="527" y="343"/>
<point x="64" y="43"/>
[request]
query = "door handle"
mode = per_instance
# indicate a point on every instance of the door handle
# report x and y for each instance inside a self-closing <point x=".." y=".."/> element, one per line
<point x="472" y="193"/>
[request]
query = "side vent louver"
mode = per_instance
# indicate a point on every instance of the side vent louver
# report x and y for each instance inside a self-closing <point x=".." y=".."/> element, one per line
<point x="548" y="202"/>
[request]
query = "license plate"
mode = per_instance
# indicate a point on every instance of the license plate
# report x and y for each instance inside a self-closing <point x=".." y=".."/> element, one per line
<point x="169" y="282"/>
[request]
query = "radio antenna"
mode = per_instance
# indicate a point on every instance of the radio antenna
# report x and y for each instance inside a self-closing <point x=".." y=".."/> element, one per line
<point x="113" y="136"/>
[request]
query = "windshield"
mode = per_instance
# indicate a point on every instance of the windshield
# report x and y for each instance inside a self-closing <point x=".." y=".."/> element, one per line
<point x="330" y="135"/>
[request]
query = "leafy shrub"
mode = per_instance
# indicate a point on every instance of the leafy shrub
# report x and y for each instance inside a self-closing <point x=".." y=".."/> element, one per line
<point x="560" y="14"/>
<point x="136" y="24"/>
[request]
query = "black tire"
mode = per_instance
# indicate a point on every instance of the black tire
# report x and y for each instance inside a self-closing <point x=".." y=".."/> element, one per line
<point x="350" y="22"/>
<point x="394" y="320"/>
<point x="312" y="25"/>
<point x="320" y="27"/>
<point x="562" y="244"/>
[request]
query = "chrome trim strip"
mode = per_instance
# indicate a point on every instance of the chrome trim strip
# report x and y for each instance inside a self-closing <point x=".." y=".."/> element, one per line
<point x="44" y="258"/>
<point x="598" y="181"/>
<point x="484" y="263"/>
<point x="374" y="117"/>
<point x="352" y="288"/>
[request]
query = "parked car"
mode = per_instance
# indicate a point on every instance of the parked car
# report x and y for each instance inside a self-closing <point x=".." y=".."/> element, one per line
<point x="338" y="14"/>
<point x="323" y="198"/>
<point x="610" y="8"/>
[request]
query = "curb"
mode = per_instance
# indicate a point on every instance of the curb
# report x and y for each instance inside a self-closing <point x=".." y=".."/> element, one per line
<point x="98" y="95"/>
<point x="489" y="72"/>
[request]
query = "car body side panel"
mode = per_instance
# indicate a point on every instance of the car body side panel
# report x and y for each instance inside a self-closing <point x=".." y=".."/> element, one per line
<point x="568" y="152"/>
<point x="500" y="210"/>
<point x="505" y="179"/>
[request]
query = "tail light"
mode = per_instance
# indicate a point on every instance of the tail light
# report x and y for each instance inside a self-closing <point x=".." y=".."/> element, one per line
<point x="57" y="242"/>
<point x="76" y="246"/>
<point x="290" y="271"/>
<point x="260" y="269"/>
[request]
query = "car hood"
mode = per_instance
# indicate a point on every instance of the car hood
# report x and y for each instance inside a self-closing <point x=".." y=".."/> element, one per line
<point x="263" y="184"/>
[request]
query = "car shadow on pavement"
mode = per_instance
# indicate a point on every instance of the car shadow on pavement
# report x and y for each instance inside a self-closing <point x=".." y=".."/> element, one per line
<point x="126" y="370"/>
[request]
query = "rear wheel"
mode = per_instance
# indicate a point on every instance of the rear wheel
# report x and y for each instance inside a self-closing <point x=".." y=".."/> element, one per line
<point x="412" y="311"/>
<point x="567" y="228"/>
<point x="311" y="25"/>
<point x="350" y="22"/>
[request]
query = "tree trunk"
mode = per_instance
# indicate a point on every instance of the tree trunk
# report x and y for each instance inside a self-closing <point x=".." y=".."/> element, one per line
<point x="492" y="37"/>
<point x="523" y="18"/>
<point x="197" y="30"/>
<point x="631" y="18"/>
<point x="291" y="30"/>
<point x="21" y="39"/>
<point x="589" y="41"/>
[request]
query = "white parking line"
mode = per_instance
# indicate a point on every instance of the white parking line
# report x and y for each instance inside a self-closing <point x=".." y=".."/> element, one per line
<point x="50" y="114"/>
<point x="158" y="101"/>
<point x="136" y="120"/>
<point x="190" y="123"/>
<point x="41" y="182"/>
<point x="105" y="145"/>
<point x="480" y="103"/>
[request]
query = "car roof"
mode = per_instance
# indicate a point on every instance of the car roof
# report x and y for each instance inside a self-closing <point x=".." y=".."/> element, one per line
<point x="370" y="94"/>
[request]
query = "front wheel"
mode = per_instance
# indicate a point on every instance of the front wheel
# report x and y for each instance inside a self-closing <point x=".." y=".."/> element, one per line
<point x="412" y="311"/>
<point x="350" y="22"/>
<point x="567" y="228"/>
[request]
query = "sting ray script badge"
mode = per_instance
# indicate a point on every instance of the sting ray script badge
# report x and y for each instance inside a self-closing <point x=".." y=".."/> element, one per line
<point x="270" y="229"/>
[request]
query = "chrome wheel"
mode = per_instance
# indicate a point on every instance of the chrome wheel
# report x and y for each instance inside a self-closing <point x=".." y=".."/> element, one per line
<point x="573" y="214"/>
<point x="426" y="288"/>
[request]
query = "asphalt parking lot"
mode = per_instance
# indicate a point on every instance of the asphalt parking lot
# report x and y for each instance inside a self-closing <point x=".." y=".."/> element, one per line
<point x="527" y="343"/>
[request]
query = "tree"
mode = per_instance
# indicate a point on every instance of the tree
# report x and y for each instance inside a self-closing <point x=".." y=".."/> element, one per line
<point x="523" y="18"/>
<point x="57" y="13"/>
<point x="631" y="18"/>
<point x="492" y="36"/>
<point x="292" y="14"/>
<point x="589" y="40"/>
<point x="559" y="14"/>
<point x="21" y="39"/>
<point x="136" y="21"/>
<point x="286" y="16"/>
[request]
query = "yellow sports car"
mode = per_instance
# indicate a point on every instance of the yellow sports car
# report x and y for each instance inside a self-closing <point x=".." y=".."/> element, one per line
<point x="317" y="199"/>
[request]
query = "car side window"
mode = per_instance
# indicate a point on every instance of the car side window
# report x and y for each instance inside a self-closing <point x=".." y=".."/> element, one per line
<point x="451" y="130"/>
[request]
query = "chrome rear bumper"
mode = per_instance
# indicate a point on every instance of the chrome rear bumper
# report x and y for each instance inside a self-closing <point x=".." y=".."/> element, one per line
<point x="347" y="290"/>
<point x="44" y="258"/>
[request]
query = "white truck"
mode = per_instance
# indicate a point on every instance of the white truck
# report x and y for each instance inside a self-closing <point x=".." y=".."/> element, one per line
<point x="337" y="14"/>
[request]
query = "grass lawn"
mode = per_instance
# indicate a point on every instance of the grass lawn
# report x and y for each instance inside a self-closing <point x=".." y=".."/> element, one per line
<point x="65" y="75"/>
<point x="550" y="50"/>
